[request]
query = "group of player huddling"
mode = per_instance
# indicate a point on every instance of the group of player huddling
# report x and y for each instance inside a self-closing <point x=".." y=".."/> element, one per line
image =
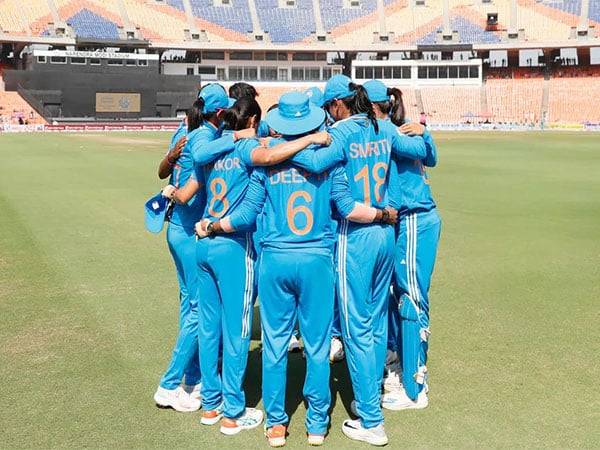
<point x="323" y="210"/>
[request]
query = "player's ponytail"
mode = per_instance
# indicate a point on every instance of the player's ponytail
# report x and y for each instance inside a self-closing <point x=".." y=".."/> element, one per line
<point x="236" y="118"/>
<point x="397" y="111"/>
<point x="359" y="103"/>
<point x="194" y="115"/>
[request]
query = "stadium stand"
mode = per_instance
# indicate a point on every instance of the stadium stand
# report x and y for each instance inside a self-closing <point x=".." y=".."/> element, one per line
<point x="13" y="107"/>
<point x="468" y="33"/>
<point x="515" y="100"/>
<point x="235" y="16"/>
<point x="282" y="23"/>
<point x="558" y="93"/>
<point x="346" y="21"/>
<point x="22" y="18"/>
<point x="451" y="104"/>
<point x="574" y="100"/>
<point x="90" y="25"/>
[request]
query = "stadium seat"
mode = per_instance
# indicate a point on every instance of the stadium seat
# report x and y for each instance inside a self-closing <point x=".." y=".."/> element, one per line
<point x="13" y="106"/>
<point x="574" y="100"/>
<point x="514" y="100"/>
<point x="283" y="24"/>
<point x="451" y="104"/>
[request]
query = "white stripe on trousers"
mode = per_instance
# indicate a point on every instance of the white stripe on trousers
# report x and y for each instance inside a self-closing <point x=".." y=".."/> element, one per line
<point x="249" y="287"/>
<point x="342" y="251"/>
<point x="411" y="260"/>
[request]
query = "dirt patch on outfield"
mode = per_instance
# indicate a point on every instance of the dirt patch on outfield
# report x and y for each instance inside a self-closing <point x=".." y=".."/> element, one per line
<point x="119" y="139"/>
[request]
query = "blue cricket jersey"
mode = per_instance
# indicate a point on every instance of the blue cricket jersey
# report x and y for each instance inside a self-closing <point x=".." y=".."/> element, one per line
<point x="199" y="138"/>
<point x="227" y="179"/>
<point x="296" y="205"/>
<point x="188" y="214"/>
<point x="408" y="188"/>
<point x="364" y="154"/>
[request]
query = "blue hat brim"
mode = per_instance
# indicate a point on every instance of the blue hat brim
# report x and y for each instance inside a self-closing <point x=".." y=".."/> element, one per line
<point x="293" y="127"/>
<point x="155" y="217"/>
<point x="376" y="99"/>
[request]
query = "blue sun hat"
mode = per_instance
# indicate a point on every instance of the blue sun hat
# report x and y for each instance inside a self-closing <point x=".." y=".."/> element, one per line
<point x="315" y="95"/>
<point x="231" y="102"/>
<point x="156" y="210"/>
<point x="376" y="91"/>
<point x="295" y="115"/>
<point x="214" y="97"/>
<point x="337" y="87"/>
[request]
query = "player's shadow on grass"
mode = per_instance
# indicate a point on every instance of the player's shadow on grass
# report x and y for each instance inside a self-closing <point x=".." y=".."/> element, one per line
<point x="339" y="383"/>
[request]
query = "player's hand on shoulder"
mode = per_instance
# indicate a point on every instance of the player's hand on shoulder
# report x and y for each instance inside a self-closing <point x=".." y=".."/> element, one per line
<point x="321" y="138"/>
<point x="201" y="228"/>
<point x="264" y="142"/>
<point x="168" y="191"/>
<point x="176" y="152"/>
<point x="412" y="129"/>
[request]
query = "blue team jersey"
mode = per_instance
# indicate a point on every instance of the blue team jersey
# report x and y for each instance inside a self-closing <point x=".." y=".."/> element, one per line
<point x="408" y="188"/>
<point x="365" y="155"/>
<point x="296" y="205"/>
<point x="188" y="214"/>
<point x="199" y="138"/>
<point x="227" y="179"/>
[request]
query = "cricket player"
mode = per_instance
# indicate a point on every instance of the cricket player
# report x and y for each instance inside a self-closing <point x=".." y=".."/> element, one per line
<point x="363" y="145"/>
<point x="179" y="165"/>
<point x="296" y="275"/>
<point x="416" y="247"/>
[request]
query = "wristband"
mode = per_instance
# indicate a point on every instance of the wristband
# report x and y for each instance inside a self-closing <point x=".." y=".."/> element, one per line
<point x="385" y="216"/>
<point x="210" y="229"/>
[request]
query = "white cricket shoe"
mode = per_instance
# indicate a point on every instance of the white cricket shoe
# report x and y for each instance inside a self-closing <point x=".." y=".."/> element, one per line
<point x="193" y="390"/>
<point x="294" y="345"/>
<point x="212" y="416"/>
<point x="177" y="399"/>
<point x="397" y="401"/>
<point x="316" y="440"/>
<point x="250" y="419"/>
<point x="336" y="350"/>
<point x="374" y="436"/>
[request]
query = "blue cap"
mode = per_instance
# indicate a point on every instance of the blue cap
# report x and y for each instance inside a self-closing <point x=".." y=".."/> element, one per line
<point x="156" y="210"/>
<point x="315" y="95"/>
<point x="231" y="102"/>
<point x="376" y="91"/>
<point x="337" y="87"/>
<point x="214" y="97"/>
<point x="295" y="115"/>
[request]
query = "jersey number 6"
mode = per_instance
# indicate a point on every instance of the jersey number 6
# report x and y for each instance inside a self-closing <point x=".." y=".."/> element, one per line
<point x="293" y="211"/>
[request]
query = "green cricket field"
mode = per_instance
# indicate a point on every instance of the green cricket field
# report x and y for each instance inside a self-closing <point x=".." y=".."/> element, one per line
<point x="89" y="300"/>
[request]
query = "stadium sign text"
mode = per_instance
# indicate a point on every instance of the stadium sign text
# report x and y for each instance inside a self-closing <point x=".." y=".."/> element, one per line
<point x="101" y="55"/>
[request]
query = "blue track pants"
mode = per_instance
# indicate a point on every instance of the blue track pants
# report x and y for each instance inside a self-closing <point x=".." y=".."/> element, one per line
<point x="365" y="256"/>
<point x="185" y="360"/>
<point x="226" y="280"/>
<point x="297" y="284"/>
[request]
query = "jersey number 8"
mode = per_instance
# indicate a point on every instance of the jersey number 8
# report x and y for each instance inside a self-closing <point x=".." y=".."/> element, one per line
<point x="293" y="211"/>
<point x="218" y="189"/>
